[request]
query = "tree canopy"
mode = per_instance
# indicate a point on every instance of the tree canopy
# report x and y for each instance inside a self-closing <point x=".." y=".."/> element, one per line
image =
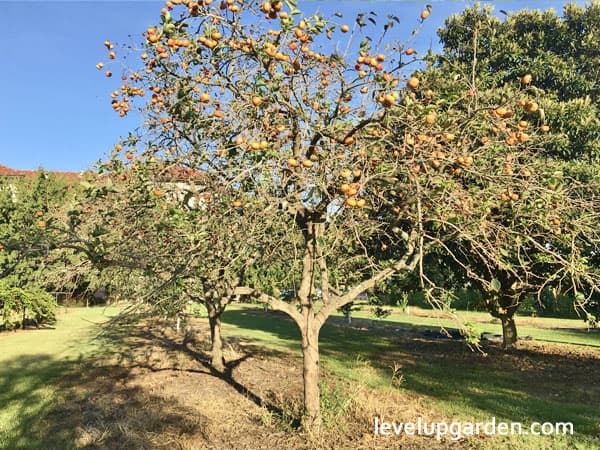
<point x="304" y="142"/>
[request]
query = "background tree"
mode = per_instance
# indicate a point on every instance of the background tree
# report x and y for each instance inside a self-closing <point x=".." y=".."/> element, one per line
<point x="24" y="203"/>
<point x="550" y="55"/>
<point x="174" y="236"/>
<point x="25" y="246"/>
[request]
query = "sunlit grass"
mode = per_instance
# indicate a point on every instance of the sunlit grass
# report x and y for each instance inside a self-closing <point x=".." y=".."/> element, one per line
<point x="469" y="387"/>
<point x="33" y="361"/>
<point x="460" y="384"/>
<point x="568" y="331"/>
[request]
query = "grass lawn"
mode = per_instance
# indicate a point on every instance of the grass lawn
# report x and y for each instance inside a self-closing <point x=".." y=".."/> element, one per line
<point x="567" y="331"/>
<point x="554" y="384"/>
<point x="32" y="361"/>
<point x="548" y="380"/>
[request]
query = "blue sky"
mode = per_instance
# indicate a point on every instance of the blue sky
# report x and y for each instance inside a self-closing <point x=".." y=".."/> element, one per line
<point x="55" y="107"/>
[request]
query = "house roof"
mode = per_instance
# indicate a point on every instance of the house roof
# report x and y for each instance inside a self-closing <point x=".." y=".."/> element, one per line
<point x="8" y="172"/>
<point x="174" y="173"/>
<point x="169" y="174"/>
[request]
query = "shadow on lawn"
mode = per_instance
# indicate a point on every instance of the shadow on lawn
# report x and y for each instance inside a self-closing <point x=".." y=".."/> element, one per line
<point x="527" y="385"/>
<point x="134" y="341"/>
<point x="87" y="407"/>
<point x="24" y="396"/>
<point x="90" y="403"/>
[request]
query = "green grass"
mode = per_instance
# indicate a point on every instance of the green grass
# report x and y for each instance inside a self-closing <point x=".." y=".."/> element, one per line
<point x="451" y="380"/>
<point x="32" y="362"/>
<point x="567" y="331"/>
<point x="455" y="381"/>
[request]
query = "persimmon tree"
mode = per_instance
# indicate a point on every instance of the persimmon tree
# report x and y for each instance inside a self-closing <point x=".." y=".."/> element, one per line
<point x="536" y="220"/>
<point x="171" y="236"/>
<point x="555" y="60"/>
<point x="365" y="167"/>
<point x="558" y="52"/>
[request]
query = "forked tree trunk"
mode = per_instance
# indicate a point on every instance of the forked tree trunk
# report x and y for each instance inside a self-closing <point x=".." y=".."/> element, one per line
<point x="509" y="332"/>
<point x="217" y="360"/>
<point x="310" y="374"/>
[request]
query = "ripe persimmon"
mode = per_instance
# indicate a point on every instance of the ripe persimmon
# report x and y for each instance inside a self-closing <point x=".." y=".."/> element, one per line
<point x="413" y="82"/>
<point x="531" y="107"/>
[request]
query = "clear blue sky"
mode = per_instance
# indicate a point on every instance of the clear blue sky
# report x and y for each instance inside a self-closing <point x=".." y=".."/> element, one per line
<point x="55" y="107"/>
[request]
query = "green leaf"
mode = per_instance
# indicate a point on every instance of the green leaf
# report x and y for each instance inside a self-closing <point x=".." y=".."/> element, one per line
<point x="495" y="285"/>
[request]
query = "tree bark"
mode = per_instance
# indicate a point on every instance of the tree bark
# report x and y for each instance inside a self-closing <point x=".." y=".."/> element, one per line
<point x="509" y="332"/>
<point x="310" y="374"/>
<point x="310" y="322"/>
<point x="216" y="353"/>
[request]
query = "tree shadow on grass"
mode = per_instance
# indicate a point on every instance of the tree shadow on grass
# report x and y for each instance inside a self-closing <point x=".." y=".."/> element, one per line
<point x="47" y="403"/>
<point x="25" y="396"/>
<point x="527" y="385"/>
<point x="131" y="341"/>
<point x="52" y="404"/>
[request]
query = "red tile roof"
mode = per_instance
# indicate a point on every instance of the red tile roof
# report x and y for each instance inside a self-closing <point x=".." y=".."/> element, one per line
<point x="174" y="173"/>
<point x="8" y="172"/>
<point x="170" y="174"/>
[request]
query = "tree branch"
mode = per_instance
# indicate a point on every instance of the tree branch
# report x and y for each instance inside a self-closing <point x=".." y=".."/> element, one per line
<point x="275" y="303"/>
<point x="407" y="262"/>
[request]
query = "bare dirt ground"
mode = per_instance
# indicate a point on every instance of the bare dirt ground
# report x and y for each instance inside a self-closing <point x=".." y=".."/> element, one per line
<point x="159" y="392"/>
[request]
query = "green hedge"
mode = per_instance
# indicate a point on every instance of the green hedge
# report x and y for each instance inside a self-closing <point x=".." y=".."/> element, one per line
<point x="22" y="306"/>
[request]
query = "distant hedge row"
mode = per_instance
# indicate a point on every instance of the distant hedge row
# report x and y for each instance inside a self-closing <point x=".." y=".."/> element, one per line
<point x="25" y="306"/>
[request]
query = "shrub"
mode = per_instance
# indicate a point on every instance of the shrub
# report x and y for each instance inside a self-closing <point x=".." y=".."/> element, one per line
<point x="21" y="306"/>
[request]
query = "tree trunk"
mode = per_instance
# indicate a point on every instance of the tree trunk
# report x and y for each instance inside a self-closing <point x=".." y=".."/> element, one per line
<point x="509" y="332"/>
<point x="310" y="374"/>
<point x="216" y="353"/>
